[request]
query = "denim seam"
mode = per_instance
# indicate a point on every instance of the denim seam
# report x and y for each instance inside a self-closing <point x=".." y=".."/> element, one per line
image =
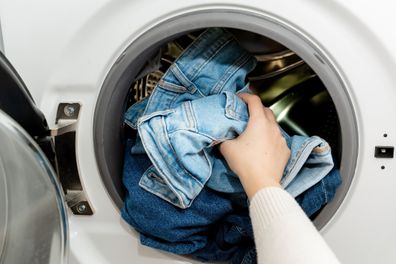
<point x="297" y="156"/>
<point x="226" y="40"/>
<point x="130" y="124"/>
<point x="177" y="159"/>
<point x="201" y="134"/>
<point x="149" y="103"/>
<point x="187" y="51"/>
<point x="230" y="111"/>
<point x="294" y="161"/>
<point x="163" y="174"/>
<point x="187" y="83"/>
<point x="192" y="122"/>
<point x="162" y="113"/>
<point x="230" y="105"/>
<point x="160" y="194"/>
<point x="155" y="176"/>
<point x="325" y="191"/>
<point x="236" y="66"/>
<point x="182" y="167"/>
<point x="172" y="87"/>
<point x="301" y="154"/>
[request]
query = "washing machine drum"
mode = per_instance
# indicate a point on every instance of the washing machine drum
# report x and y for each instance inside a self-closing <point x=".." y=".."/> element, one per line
<point x="33" y="226"/>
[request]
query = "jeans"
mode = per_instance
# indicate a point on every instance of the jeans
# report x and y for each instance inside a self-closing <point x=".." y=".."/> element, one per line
<point x="312" y="200"/>
<point x="216" y="227"/>
<point x="193" y="108"/>
<point x="184" y="231"/>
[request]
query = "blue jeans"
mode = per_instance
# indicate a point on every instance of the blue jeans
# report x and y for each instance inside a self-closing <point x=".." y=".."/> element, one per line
<point x="181" y="231"/>
<point x="216" y="227"/>
<point x="320" y="194"/>
<point x="193" y="108"/>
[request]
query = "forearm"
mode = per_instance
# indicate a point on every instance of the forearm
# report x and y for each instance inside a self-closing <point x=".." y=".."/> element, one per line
<point x="283" y="233"/>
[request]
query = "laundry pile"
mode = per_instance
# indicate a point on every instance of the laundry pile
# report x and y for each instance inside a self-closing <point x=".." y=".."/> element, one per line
<point x="181" y="195"/>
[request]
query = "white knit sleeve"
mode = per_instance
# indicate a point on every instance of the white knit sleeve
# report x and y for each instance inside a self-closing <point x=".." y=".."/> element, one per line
<point x="283" y="233"/>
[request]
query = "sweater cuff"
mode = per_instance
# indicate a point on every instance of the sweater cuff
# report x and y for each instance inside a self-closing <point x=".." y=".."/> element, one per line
<point x="271" y="203"/>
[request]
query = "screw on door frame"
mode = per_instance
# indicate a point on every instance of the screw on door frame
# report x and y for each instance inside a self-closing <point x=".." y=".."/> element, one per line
<point x="69" y="110"/>
<point x="81" y="208"/>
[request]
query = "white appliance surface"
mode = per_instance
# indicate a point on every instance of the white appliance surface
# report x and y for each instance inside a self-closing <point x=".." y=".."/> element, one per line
<point x="64" y="49"/>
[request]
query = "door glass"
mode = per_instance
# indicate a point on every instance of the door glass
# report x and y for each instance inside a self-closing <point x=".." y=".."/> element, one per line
<point x="33" y="226"/>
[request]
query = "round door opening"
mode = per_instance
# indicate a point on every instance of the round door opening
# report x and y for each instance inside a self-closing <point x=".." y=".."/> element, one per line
<point x="293" y="77"/>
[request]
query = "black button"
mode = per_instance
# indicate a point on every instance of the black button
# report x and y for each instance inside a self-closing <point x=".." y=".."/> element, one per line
<point x="384" y="152"/>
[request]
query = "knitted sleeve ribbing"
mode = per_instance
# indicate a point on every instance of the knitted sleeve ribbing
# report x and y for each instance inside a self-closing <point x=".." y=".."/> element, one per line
<point x="283" y="233"/>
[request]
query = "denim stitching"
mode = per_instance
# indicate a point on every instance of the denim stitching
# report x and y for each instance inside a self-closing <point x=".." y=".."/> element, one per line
<point x="197" y="45"/>
<point x="162" y="113"/>
<point x="324" y="191"/>
<point x="293" y="162"/>
<point x="190" y="116"/>
<point x="172" y="87"/>
<point x="161" y="195"/>
<point x="238" y="64"/>
<point x="182" y="167"/>
<point x="190" y="48"/>
<point x="154" y="176"/>
<point x="214" y="53"/>
<point x="193" y="117"/>
<point x="189" y="86"/>
<point x="132" y="125"/>
<point x="165" y="179"/>
<point x="149" y="103"/>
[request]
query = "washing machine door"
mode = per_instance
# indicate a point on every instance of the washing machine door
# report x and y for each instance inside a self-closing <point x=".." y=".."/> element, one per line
<point x="33" y="218"/>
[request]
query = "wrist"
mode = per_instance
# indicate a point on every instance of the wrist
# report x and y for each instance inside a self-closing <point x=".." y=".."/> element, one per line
<point x="252" y="186"/>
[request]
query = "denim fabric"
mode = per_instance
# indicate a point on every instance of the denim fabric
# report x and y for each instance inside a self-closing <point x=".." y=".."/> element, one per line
<point x="233" y="241"/>
<point x="212" y="228"/>
<point x="193" y="108"/>
<point x="211" y="63"/>
<point x="321" y="193"/>
<point x="216" y="227"/>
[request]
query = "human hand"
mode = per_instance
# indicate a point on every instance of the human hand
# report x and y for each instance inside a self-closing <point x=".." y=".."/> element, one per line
<point x="259" y="155"/>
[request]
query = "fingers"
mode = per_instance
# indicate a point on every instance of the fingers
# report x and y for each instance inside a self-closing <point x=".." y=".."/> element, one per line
<point x="254" y="104"/>
<point x="269" y="114"/>
<point x="256" y="108"/>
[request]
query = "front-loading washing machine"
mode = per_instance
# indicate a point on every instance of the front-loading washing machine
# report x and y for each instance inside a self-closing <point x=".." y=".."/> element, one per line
<point x="79" y="62"/>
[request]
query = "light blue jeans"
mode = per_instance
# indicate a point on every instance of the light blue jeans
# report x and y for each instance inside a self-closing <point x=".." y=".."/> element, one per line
<point x="193" y="108"/>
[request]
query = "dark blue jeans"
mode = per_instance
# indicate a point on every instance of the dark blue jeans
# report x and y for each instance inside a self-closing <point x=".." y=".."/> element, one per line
<point x="216" y="227"/>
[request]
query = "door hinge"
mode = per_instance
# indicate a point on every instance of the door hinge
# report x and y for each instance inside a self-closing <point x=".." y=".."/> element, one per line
<point x="64" y="135"/>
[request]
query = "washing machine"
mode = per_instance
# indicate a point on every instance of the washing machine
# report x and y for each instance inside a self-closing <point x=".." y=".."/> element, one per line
<point x="67" y="68"/>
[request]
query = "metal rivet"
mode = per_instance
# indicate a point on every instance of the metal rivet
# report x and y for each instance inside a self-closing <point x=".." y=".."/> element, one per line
<point x="382" y="167"/>
<point x="69" y="110"/>
<point x="385" y="135"/>
<point x="81" y="208"/>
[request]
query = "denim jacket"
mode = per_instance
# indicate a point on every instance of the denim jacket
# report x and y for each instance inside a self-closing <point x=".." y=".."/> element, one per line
<point x="193" y="108"/>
